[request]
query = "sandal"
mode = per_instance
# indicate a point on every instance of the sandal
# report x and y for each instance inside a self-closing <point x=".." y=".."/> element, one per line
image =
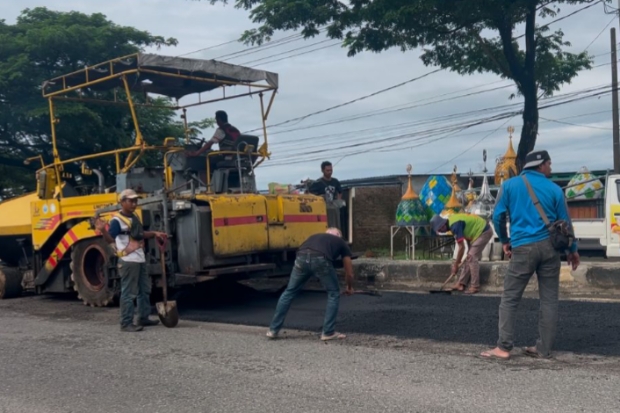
<point x="335" y="336"/>
<point x="532" y="352"/>
<point x="472" y="290"/>
<point x="490" y="355"/>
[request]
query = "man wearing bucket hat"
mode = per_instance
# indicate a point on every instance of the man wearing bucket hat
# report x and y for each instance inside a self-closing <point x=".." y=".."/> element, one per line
<point x="127" y="236"/>
<point x="477" y="232"/>
<point x="534" y="204"/>
<point x="315" y="257"/>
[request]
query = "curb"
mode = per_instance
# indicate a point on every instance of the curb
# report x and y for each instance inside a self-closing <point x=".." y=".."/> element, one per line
<point x="590" y="277"/>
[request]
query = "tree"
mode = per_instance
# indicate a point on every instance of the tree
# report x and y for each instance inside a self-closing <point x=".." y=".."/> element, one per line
<point x="465" y="36"/>
<point x="43" y="44"/>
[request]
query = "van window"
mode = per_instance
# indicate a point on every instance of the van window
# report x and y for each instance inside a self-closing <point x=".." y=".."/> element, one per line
<point x="617" y="190"/>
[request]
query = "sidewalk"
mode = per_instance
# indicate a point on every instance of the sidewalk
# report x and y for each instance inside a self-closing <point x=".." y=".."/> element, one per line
<point x="590" y="278"/>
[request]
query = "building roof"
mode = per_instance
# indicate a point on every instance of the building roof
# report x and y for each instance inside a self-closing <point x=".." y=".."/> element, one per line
<point x="402" y="179"/>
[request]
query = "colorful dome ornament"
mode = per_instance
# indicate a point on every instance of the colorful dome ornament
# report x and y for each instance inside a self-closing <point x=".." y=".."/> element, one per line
<point x="584" y="186"/>
<point x="411" y="211"/>
<point x="435" y="193"/>
<point x="507" y="164"/>
<point x="485" y="203"/>
<point x="453" y="205"/>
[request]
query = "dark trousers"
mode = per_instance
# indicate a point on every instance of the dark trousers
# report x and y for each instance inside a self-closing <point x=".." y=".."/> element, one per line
<point x="135" y="285"/>
<point x="542" y="258"/>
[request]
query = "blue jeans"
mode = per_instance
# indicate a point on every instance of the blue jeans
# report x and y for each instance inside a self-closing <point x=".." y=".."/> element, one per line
<point x="135" y="285"/>
<point x="305" y="267"/>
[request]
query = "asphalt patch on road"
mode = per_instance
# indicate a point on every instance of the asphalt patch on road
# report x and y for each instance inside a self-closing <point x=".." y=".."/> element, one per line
<point x="584" y="327"/>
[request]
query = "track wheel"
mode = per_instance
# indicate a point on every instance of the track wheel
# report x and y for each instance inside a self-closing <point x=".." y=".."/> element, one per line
<point x="10" y="282"/>
<point x="88" y="261"/>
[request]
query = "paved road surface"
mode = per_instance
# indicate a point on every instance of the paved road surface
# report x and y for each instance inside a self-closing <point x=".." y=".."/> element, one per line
<point x="404" y="353"/>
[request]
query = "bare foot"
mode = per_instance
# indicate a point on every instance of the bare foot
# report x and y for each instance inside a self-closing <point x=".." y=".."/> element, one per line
<point x="456" y="287"/>
<point x="496" y="353"/>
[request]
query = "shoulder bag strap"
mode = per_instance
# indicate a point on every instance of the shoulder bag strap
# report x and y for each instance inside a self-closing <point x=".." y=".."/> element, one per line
<point x="539" y="207"/>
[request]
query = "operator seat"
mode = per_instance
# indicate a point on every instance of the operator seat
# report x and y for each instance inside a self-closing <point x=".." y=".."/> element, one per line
<point x="229" y="160"/>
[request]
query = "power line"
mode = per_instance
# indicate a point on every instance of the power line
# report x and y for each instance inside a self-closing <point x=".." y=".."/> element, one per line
<point x="601" y="32"/>
<point x="208" y="48"/>
<point x="384" y="111"/>
<point x="300" y="118"/>
<point x="289" y="51"/>
<point x="357" y="138"/>
<point x="472" y="146"/>
<point x="259" y="48"/>
<point x="562" y="18"/>
<point x="573" y="97"/>
<point x="444" y="117"/>
<point x="373" y="113"/>
<point x="300" y="54"/>
<point x="574" y="124"/>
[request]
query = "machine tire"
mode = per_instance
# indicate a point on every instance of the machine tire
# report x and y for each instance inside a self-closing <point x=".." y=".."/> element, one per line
<point x="10" y="282"/>
<point x="88" y="260"/>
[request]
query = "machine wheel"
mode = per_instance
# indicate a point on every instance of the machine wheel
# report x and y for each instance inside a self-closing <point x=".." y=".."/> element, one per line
<point x="88" y="261"/>
<point x="10" y="282"/>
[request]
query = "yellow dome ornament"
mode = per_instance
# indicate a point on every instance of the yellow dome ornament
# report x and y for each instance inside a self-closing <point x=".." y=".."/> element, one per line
<point x="453" y="205"/>
<point x="507" y="164"/>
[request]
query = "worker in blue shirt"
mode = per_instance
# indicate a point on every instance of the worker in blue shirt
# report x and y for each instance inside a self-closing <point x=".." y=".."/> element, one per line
<point x="530" y="251"/>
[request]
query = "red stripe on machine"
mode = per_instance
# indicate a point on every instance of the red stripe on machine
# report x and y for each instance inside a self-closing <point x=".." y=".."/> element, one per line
<point x="58" y="253"/>
<point x="248" y="220"/>
<point x="52" y="262"/>
<point x="72" y="235"/>
<point x="64" y="243"/>
<point x="305" y="218"/>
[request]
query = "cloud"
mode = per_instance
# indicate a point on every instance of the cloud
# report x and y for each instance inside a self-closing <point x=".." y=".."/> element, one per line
<point x="325" y="78"/>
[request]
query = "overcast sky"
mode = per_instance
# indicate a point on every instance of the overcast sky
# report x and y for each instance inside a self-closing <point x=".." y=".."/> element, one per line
<point x="315" y="81"/>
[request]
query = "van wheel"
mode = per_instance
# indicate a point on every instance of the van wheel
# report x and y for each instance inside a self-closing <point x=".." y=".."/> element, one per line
<point x="88" y="261"/>
<point x="10" y="282"/>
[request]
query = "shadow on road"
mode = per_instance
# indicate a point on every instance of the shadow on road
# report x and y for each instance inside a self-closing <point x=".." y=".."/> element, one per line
<point x="584" y="327"/>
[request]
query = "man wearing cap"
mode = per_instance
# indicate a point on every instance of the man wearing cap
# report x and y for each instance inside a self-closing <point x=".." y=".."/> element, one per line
<point x="530" y="250"/>
<point x="127" y="236"/>
<point x="477" y="232"/>
<point x="315" y="257"/>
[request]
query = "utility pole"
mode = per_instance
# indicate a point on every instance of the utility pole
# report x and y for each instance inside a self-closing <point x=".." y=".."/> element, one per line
<point x="614" y="102"/>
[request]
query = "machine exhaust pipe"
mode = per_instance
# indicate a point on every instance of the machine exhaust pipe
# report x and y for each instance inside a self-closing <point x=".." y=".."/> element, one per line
<point x="101" y="185"/>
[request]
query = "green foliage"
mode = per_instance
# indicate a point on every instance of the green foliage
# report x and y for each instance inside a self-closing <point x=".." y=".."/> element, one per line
<point x="465" y="36"/>
<point x="43" y="44"/>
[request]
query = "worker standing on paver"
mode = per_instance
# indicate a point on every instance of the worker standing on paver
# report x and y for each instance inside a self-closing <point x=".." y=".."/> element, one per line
<point x="536" y="206"/>
<point x="126" y="235"/>
<point x="466" y="228"/>
<point x="315" y="257"/>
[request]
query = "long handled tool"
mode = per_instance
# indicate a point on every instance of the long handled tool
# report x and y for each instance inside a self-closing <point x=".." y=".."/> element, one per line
<point x="373" y="293"/>
<point x="166" y="310"/>
<point x="441" y="290"/>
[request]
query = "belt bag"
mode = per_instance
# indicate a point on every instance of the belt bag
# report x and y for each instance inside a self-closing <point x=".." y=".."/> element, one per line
<point x="560" y="232"/>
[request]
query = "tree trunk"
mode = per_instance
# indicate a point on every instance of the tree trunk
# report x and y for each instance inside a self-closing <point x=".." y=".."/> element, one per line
<point x="529" y="89"/>
<point x="529" y="132"/>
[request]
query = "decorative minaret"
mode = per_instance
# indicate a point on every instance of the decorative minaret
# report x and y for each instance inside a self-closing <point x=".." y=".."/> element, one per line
<point x="410" y="211"/>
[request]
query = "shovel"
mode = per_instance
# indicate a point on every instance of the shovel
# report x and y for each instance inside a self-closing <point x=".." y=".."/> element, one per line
<point x="167" y="311"/>
<point x="441" y="290"/>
